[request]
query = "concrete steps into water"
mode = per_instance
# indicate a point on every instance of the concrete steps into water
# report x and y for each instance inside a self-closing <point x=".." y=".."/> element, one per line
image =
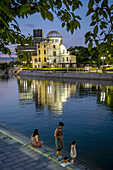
<point x="16" y="153"/>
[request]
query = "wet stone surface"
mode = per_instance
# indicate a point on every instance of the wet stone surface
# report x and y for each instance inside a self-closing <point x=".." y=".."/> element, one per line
<point x="17" y="153"/>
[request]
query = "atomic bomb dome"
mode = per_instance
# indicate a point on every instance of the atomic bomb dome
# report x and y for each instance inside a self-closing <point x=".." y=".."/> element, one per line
<point x="54" y="34"/>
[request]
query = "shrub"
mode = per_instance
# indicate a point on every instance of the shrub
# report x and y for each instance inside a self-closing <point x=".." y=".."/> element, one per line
<point x="109" y="69"/>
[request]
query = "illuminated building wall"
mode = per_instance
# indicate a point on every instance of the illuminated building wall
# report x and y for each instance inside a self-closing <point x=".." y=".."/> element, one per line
<point x="52" y="53"/>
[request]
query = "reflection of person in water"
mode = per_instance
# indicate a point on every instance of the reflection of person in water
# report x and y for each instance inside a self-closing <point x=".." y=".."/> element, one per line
<point x="34" y="139"/>
<point x="59" y="139"/>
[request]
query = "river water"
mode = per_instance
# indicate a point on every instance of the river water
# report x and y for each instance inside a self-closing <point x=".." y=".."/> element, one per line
<point x="86" y="110"/>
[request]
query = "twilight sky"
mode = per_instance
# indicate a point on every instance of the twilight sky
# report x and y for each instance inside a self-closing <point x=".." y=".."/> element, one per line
<point x="35" y="21"/>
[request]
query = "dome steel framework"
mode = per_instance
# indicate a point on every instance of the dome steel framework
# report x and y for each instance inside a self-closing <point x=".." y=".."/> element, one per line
<point x="54" y="34"/>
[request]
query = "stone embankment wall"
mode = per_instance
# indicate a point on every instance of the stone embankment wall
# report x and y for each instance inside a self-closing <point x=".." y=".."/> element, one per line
<point x="90" y="76"/>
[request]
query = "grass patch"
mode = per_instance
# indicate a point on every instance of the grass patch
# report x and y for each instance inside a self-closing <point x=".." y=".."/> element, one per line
<point x="53" y="69"/>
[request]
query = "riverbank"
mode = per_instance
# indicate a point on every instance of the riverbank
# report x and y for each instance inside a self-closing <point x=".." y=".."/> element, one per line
<point x="85" y="76"/>
<point x="17" y="153"/>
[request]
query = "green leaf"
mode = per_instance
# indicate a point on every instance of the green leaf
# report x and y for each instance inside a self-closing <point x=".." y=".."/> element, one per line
<point x="59" y="4"/>
<point x="75" y="6"/>
<point x="77" y="16"/>
<point x="80" y="3"/>
<point x="68" y="26"/>
<point x="93" y="23"/>
<point x="59" y="13"/>
<point x="89" y="11"/>
<point x="4" y="22"/>
<point x="78" y="24"/>
<point x="96" y="42"/>
<point x="104" y="14"/>
<point x="51" y="4"/>
<point x="90" y="4"/>
<point x="104" y="3"/>
<point x="86" y="40"/>
<point x="43" y="12"/>
<point x="109" y="39"/>
<point x="95" y="30"/>
<point x="87" y="37"/>
<point x="104" y="24"/>
<point x="63" y="24"/>
<point x="111" y="7"/>
<point x="50" y="16"/>
<point x="101" y="33"/>
<point x="101" y="27"/>
<point x="72" y="29"/>
<point x="16" y="27"/>
<point x="87" y="34"/>
<point x="90" y="46"/>
<point x="24" y="9"/>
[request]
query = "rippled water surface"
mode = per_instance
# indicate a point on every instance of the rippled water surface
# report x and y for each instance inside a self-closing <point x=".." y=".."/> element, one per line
<point x="86" y="110"/>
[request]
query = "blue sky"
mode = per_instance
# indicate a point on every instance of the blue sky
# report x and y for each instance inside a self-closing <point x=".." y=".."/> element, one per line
<point x="35" y="21"/>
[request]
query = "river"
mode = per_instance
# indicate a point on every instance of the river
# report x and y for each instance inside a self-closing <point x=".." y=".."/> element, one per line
<point x="86" y="110"/>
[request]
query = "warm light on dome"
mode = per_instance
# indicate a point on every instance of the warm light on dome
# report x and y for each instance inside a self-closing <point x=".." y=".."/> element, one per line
<point x="54" y="34"/>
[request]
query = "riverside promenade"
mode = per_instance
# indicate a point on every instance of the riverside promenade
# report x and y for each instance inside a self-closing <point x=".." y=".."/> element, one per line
<point x="16" y="153"/>
<point x="67" y="75"/>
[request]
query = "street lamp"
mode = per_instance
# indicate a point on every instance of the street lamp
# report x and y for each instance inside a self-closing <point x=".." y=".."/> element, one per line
<point x="90" y="60"/>
<point x="103" y="58"/>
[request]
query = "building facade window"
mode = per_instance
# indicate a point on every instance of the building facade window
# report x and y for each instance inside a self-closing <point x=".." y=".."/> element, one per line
<point x="44" y="59"/>
<point x="63" y="59"/>
<point x="54" y="60"/>
<point x="35" y="60"/>
<point x="38" y="46"/>
<point x="54" y="53"/>
<point x="39" y="59"/>
<point x="44" y="51"/>
<point x="63" y="51"/>
<point x="35" y="66"/>
<point x="44" y="46"/>
<point x="67" y="58"/>
<point x="39" y="51"/>
<point x="56" y="40"/>
<point x="53" y="46"/>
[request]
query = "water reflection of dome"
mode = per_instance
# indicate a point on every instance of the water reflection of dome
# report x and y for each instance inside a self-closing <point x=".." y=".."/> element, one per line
<point x="54" y="34"/>
<point x="56" y="108"/>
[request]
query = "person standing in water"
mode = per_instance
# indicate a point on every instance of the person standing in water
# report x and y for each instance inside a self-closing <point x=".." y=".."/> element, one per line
<point x="59" y="140"/>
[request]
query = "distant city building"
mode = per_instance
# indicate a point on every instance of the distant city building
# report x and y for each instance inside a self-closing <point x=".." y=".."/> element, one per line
<point x="52" y="53"/>
<point x="38" y="35"/>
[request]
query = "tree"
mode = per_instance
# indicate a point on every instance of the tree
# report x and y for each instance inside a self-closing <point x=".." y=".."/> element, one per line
<point x="25" y="57"/>
<point x="82" y="54"/>
<point x="100" y="11"/>
<point x="3" y="66"/>
<point x="102" y="21"/>
<point x="94" y="55"/>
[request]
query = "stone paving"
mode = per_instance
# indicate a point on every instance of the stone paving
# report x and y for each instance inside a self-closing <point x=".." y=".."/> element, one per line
<point x="16" y="153"/>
